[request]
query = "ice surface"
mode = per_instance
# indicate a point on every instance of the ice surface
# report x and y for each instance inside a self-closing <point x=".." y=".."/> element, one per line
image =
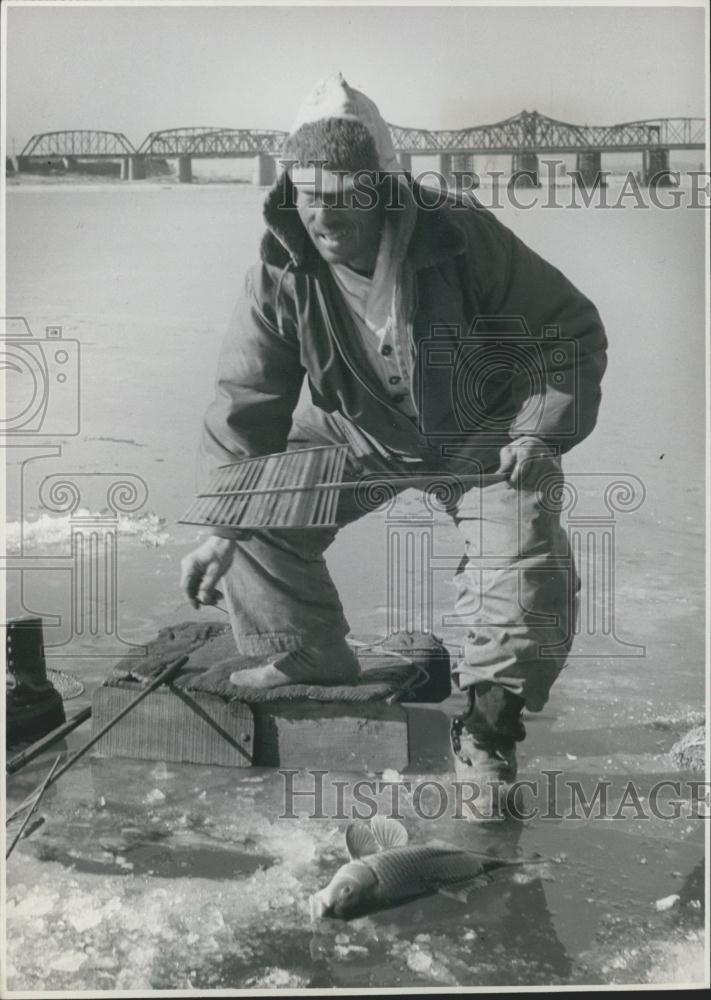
<point x="226" y="905"/>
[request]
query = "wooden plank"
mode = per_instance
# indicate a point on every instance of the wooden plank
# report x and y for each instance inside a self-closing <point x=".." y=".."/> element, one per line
<point x="167" y="727"/>
<point x="343" y="736"/>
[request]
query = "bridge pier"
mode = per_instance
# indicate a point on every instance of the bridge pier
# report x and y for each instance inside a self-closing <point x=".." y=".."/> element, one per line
<point x="185" y="169"/>
<point x="524" y="169"/>
<point x="133" y="168"/>
<point x="136" y="168"/>
<point x="444" y="166"/>
<point x="655" y="163"/>
<point x="588" y="167"/>
<point x="464" y="176"/>
<point x="264" y="173"/>
<point x="463" y="163"/>
<point x="405" y="161"/>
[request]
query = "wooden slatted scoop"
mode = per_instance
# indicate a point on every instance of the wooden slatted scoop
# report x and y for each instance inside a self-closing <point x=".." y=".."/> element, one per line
<point x="289" y="489"/>
<point x="300" y="489"/>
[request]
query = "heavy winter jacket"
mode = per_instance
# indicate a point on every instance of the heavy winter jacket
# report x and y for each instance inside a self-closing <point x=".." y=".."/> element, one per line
<point x="505" y="345"/>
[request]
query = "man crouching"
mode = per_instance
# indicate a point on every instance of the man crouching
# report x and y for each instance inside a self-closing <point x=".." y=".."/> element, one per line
<point x="424" y="335"/>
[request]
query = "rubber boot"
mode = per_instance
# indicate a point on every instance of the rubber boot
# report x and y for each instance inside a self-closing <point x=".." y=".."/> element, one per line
<point x="33" y="704"/>
<point x="484" y="745"/>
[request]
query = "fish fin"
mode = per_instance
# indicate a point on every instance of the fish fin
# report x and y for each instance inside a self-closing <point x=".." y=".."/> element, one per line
<point x="460" y="895"/>
<point x="492" y="861"/>
<point x="388" y="832"/>
<point x="360" y="842"/>
<point x="459" y="888"/>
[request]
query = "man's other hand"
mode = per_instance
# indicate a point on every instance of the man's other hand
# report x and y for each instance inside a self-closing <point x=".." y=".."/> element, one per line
<point x="203" y="567"/>
<point x="525" y="461"/>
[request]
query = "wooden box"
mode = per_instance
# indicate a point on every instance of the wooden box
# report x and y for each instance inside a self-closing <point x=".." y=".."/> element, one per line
<point x="199" y="728"/>
<point x="174" y="725"/>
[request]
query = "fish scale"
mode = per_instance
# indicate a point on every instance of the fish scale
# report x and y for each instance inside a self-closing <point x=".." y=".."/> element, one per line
<point x="412" y="871"/>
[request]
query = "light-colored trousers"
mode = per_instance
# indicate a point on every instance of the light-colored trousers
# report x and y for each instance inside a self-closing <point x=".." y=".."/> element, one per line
<point x="516" y="582"/>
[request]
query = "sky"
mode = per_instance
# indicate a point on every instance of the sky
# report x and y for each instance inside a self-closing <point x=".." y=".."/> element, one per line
<point x="135" y="69"/>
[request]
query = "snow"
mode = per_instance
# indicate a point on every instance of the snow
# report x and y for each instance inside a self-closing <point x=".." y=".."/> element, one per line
<point x="48" y="530"/>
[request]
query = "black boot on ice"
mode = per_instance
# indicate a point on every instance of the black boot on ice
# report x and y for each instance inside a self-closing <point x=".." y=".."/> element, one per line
<point x="33" y="704"/>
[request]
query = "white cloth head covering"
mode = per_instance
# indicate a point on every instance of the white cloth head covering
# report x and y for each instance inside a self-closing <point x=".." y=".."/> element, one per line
<point x="332" y="97"/>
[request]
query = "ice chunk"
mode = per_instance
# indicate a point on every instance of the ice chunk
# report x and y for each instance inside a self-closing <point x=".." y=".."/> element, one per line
<point x="275" y="978"/>
<point x="667" y="902"/>
<point x="160" y="772"/>
<point x="36" y="903"/>
<point x="81" y="916"/>
<point x="418" y="960"/>
<point x="70" y="961"/>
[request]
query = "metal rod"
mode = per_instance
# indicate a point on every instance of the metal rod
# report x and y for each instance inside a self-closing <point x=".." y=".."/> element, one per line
<point x="35" y="803"/>
<point x="485" y="478"/>
<point x="25" y="756"/>
<point x="259" y="459"/>
<point x="166" y="675"/>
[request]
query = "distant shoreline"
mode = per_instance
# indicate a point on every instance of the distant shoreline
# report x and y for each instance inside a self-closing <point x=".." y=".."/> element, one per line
<point x="88" y="180"/>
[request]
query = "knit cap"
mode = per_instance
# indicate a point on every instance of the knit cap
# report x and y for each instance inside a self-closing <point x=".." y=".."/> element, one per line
<point x="340" y="125"/>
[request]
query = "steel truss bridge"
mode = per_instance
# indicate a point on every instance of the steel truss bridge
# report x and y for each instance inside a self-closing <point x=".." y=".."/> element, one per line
<point x="79" y="142"/>
<point x="527" y="131"/>
<point x="203" y="141"/>
<point x="535" y="133"/>
<point x="524" y="137"/>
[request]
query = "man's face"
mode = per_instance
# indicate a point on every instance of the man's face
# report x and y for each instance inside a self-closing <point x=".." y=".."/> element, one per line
<point x="343" y="221"/>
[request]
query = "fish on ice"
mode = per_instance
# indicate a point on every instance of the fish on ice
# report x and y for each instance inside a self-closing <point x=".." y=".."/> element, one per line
<point x="384" y="871"/>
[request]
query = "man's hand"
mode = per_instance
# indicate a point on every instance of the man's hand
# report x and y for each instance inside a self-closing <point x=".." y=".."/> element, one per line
<point x="525" y="461"/>
<point x="203" y="567"/>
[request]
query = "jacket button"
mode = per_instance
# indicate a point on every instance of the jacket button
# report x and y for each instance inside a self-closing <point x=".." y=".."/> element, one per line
<point x="386" y="350"/>
<point x="394" y="379"/>
<point x="400" y="398"/>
